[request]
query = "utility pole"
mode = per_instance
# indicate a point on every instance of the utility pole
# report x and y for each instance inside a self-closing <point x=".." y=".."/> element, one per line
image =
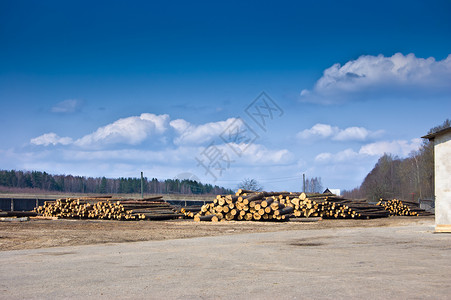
<point x="303" y="182"/>
<point x="142" y="185"/>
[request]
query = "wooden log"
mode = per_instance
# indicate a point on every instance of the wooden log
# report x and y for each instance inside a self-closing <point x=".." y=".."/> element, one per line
<point x="18" y="213"/>
<point x="253" y="197"/>
<point x="204" y="208"/>
<point x="243" y="191"/>
<point x="254" y="203"/>
<point x="198" y="218"/>
<point x="155" y="212"/>
<point x="191" y="208"/>
<point x="221" y="201"/>
<point x="277" y="205"/>
<point x="284" y="211"/>
<point x="231" y="199"/>
<point x="267" y="201"/>
<point x="295" y="201"/>
<point x="305" y="220"/>
<point x="229" y="217"/>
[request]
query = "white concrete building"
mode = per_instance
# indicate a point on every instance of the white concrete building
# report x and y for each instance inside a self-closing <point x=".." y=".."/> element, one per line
<point x="442" y="170"/>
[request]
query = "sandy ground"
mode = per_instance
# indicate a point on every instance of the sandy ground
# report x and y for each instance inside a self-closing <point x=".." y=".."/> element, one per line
<point x="394" y="258"/>
<point x="36" y="234"/>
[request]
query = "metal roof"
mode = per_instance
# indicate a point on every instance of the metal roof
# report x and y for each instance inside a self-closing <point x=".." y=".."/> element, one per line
<point x="431" y="136"/>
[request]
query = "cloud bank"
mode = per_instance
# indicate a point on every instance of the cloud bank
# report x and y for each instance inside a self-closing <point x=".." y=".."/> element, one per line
<point x="131" y="131"/>
<point x="123" y="140"/>
<point x="377" y="149"/>
<point x="370" y="75"/>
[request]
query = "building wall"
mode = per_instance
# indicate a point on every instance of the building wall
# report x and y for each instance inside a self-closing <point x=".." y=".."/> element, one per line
<point x="442" y="152"/>
<point x="335" y="191"/>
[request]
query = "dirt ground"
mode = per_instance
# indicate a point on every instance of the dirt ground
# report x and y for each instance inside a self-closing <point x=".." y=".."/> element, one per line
<point x="36" y="234"/>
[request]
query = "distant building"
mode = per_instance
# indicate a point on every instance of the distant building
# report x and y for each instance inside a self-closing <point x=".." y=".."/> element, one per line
<point x="442" y="171"/>
<point x="336" y="192"/>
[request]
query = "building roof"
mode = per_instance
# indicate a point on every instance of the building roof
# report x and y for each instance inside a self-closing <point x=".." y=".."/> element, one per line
<point x="327" y="191"/>
<point x="431" y="136"/>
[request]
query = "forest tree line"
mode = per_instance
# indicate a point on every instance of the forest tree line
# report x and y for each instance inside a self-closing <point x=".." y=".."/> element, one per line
<point x="79" y="184"/>
<point x="409" y="178"/>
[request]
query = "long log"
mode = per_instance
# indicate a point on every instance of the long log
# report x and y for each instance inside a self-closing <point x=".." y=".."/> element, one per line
<point x="155" y="212"/>
<point x="198" y="218"/>
<point x="18" y="214"/>
<point x="305" y="220"/>
<point x="162" y="216"/>
<point x="191" y="208"/>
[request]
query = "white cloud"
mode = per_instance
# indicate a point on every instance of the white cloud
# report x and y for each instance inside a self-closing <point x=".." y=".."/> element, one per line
<point x="352" y="133"/>
<point x="67" y="106"/>
<point x="369" y="75"/>
<point x="348" y="134"/>
<point x="159" y="121"/>
<point x="131" y="130"/>
<point x="199" y="134"/>
<point x="318" y="130"/>
<point x="180" y="125"/>
<point x="324" y="157"/>
<point x="136" y="129"/>
<point x="398" y="147"/>
<point x="50" y="139"/>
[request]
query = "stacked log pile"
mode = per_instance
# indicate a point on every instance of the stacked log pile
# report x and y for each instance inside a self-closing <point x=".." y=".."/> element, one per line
<point x="337" y="207"/>
<point x="280" y="206"/>
<point x="108" y="208"/>
<point x="402" y="208"/>
<point x="190" y="211"/>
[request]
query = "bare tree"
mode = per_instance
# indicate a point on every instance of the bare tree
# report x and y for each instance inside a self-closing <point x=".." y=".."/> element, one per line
<point x="313" y="185"/>
<point x="250" y="184"/>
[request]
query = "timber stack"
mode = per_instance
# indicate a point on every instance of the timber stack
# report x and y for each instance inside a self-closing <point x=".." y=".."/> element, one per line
<point x="108" y="208"/>
<point x="281" y="206"/>
<point x="402" y="208"/>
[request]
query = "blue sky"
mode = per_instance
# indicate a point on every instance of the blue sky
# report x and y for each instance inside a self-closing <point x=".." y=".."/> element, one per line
<point x="112" y="88"/>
